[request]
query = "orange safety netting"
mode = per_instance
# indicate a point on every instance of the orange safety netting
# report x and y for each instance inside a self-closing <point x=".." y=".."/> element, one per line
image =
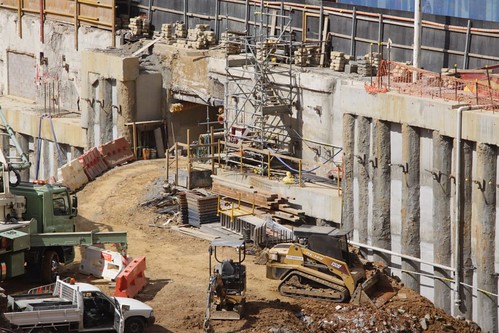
<point x="405" y="79"/>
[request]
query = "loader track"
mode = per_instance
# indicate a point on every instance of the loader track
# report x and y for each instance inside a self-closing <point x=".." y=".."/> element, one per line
<point x="292" y="286"/>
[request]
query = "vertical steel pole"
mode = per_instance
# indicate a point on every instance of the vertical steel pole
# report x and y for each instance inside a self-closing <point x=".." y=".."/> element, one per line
<point x="113" y="23"/>
<point x="354" y="30"/>
<point x="246" y="18"/>
<point x="211" y="149"/>
<point x="217" y="25"/>
<point x="188" y="159"/>
<point x="416" y="55"/>
<point x="380" y="28"/>
<point x="76" y="23"/>
<point x="42" y="22"/>
<point x="321" y="22"/>
<point x="467" y="46"/>
<point x="185" y="15"/>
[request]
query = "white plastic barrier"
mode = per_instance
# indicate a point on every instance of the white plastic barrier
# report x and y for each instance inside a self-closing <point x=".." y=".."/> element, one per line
<point x="101" y="263"/>
<point x="92" y="262"/>
<point x="72" y="175"/>
<point x="114" y="264"/>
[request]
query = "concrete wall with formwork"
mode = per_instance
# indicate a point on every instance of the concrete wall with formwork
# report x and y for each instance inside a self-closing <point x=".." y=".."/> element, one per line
<point x="191" y="97"/>
<point x="41" y="64"/>
<point x="109" y="94"/>
<point x="403" y="180"/>
<point x="44" y="71"/>
<point x="54" y="147"/>
<point x="315" y="122"/>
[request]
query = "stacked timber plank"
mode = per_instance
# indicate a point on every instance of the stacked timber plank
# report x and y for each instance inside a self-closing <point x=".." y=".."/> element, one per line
<point x="301" y="56"/>
<point x="180" y="30"/>
<point x="314" y="56"/>
<point x="168" y="33"/>
<point x="269" y="202"/>
<point x="182" y="203"/>
<point x="338" y="61"/>
<point x="201" y="208"/>
<point x="288" y="213"/>
<point x="245" y="193"/>
<point x="229" y="42"/>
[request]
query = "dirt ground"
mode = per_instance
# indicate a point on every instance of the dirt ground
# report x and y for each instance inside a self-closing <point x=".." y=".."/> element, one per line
<point x="177" y="272"/>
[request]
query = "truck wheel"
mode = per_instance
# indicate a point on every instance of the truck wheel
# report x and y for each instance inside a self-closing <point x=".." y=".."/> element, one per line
<point x="50" y="266"/>
<point x="134" y="325"/>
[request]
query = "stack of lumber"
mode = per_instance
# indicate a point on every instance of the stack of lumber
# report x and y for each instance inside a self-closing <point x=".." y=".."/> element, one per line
<point x="182" y="202"/>
<point x="338" y="61"/>
<point x="288" y="213"/>
<point x="271" y="203"/>
<point x="245" y="193"/>
<point x="201" y="208"/>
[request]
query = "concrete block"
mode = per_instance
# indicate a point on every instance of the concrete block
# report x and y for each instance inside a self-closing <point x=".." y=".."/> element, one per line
<point x="350" y="68"/>
<point x="199" y="178"/>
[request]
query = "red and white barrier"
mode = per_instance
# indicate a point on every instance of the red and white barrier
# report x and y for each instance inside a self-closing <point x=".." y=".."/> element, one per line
<point x="101" y="263"/>
<point x="92" y="163"/>
<point x="72" y="175"/>
<point x="132" y="280"/>
<point x="116" y="152"/>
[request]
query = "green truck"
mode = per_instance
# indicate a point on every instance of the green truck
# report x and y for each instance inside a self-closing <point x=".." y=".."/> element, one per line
<point x="37" y="222"/>
<point x="46" y="235"/>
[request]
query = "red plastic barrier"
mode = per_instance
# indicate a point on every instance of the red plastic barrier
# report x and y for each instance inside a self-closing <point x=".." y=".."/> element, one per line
<point x="132" y="280"/>
<point x="116" y="152"/>
<point x="92" y="163"/>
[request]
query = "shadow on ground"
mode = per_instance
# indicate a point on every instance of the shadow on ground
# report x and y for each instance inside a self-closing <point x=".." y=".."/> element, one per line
<point x="152" y="288"/>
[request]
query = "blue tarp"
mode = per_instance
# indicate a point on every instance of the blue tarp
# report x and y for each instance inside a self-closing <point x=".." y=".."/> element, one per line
<point x="486" y="10"/>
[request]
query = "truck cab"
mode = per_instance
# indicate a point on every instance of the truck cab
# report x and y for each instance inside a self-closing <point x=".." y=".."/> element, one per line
<point x="52" y="210"/>
<point x="101" y="312"/>
<point x="80" y="307"/>
<point x="50" y="205"/>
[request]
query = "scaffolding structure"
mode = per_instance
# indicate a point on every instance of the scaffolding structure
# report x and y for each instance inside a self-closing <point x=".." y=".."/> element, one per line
<point x="259" y="87"/>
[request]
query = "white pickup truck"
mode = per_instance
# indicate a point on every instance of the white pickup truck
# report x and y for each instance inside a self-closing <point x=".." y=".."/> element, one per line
<point x="79" y="307"/>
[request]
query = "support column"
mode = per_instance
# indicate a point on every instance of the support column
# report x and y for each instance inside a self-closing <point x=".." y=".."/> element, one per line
<point x="411" y="208"/>
<point x="442" y="157"/>
<point x="363" y="149"/>
<point x="127" y="99"/>
<point x="484" y="198"/>
<point x="24" y="144"/>
<point x="54" y="160"/>
<point x="348" y="153"/>
<point x="465" y="307"/>
<point x="45" y="159"/>
<point x="381" y="233"/>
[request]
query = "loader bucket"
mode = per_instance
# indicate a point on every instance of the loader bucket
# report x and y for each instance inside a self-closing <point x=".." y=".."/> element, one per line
<point x="225" y="314"/>
<point x="375" y="291"/>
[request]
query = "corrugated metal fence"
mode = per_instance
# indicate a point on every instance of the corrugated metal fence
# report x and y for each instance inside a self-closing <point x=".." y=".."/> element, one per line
<point x="446" y="41"/>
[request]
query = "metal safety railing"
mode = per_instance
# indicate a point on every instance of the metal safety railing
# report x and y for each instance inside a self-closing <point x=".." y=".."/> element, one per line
<point x="407" y="80"/>
<point x="450" y="270"/>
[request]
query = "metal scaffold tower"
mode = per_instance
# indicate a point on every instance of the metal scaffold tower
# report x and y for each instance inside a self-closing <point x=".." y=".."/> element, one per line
<point x="259" y="91"/>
